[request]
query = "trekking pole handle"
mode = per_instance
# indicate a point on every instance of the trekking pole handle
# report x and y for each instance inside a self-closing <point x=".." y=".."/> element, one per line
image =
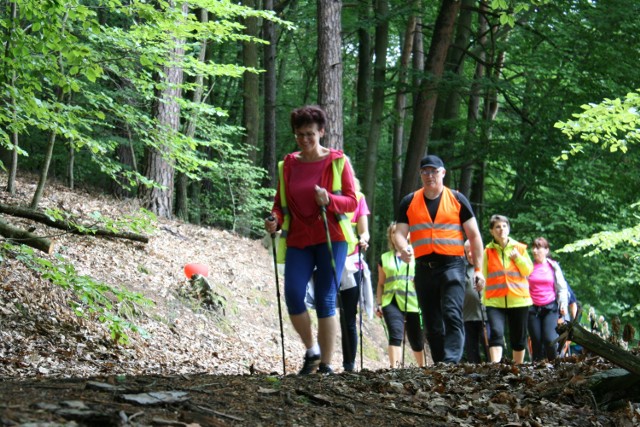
<point x="271" y="218"/>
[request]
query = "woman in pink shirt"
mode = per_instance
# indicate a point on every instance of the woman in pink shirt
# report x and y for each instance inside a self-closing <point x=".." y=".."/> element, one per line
<point x="548" y="289"/>
<point x="306" y="186"/>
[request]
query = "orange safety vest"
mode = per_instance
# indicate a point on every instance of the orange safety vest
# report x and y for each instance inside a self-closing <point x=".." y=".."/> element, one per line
<point x="502" y="281"/>
<point x="442" y="236"/>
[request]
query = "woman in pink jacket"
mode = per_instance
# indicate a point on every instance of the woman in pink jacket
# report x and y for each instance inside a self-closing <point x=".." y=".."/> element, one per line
<point x="312" y="181"/>
<point x="548" y="289"/>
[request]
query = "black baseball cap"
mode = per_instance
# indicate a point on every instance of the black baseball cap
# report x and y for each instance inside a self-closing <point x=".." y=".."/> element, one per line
<point x="431" y="161"/>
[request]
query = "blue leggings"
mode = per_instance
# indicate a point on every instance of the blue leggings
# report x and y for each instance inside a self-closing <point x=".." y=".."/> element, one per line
<point x="300" y="265"/>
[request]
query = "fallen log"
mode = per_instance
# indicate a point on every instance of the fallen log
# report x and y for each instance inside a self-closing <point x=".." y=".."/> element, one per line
<point x="68" y="226"/>
<point x="593" y="343"/>
<point x="19" y="235"/>
<point x="613" y="387"/>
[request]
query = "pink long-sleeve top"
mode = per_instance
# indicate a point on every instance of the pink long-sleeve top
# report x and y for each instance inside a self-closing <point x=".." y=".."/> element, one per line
<point x="306" y="227"/>
<point x="541" y="284"/>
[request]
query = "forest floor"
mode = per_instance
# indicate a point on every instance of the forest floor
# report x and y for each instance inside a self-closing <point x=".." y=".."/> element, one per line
<point x="222" y="366"/>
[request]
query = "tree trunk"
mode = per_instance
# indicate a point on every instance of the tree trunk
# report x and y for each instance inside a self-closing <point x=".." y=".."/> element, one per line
<point x="447" y="113"/>
<point x="428" y="95"/>
<point x="330" y="70"/>
<point x="250" y="85"/>
<point x="59" y="96"/>
<point x="37" y="195"/>
<point x="400" y="107"/>
<point x="126" y="155"/>
<point x="13" y="167"/>
<point x="182" y="187"/>
<point x="71" y="227"/>
<point x="194" y="212"/>
<point x="20" y="236"/>
<point x="472" y="180"/>
<point x="167" y="113"/>
<point x="70" y="167"/>
<point x="377" y="108"/>
<point x="270" y="88"/>
<point x="363" y="84"/>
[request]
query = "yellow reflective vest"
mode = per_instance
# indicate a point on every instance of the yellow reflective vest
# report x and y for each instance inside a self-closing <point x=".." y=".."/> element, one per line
<point x="337" y="165"/>
<point x="397" y="283"/>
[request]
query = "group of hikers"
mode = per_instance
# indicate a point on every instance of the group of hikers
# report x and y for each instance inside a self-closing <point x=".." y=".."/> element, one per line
<point x="436" y="281"/>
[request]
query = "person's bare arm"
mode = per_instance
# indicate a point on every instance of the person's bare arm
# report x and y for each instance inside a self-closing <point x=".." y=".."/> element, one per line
<point x="363" y="231"/>
<point x="402" y="244"/>
<point x="477" y="251"/>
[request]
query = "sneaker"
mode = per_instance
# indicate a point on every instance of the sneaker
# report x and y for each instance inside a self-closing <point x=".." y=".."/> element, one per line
<point x="310" y="364"/>
<point x="325" y="369"/>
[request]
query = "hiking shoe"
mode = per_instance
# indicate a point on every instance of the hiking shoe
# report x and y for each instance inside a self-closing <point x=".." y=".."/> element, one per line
<point x="349" y="367"/>
<point x="310" y="364"/>
<point x="325" y="369"/>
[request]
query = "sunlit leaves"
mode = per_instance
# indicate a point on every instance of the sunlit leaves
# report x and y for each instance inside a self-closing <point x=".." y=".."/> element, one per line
<point x="613" y="124"/>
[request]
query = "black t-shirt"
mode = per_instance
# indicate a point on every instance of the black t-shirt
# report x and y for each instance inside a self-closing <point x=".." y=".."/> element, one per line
<point x="466" y="212"/>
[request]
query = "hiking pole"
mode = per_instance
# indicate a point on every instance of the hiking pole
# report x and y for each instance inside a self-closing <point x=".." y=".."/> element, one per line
<point x="343" y="321"/>
<point x="275" y="268"/>
<point x="361" y="305"/>
<point x="484" y="325"/>
<point x="406" y="303"/>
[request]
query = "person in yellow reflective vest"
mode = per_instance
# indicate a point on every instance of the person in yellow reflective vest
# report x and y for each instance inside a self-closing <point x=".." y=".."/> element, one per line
<point x="397" y="301"/>
<point x="313" y="178"/>
<point x="506" y="296"/>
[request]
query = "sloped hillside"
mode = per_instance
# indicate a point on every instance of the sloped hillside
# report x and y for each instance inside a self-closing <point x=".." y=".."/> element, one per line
<point x="40" y="335"/>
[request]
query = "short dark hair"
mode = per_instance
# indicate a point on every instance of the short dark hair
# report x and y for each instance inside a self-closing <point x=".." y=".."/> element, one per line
<point x="540" y="242"/>
<point x="498" y="218"/>
<point x="307" y="115"/>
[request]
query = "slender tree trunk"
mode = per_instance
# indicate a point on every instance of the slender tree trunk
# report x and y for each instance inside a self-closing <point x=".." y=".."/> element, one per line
<point x="59" y="96"/>
<point x="330" y="70"/>
<point x="270" y="88"/>
<point x="426" y="102"/>
<point x="377" y="107"/>
<point x="250" y="85"/>
<point x="37" y="195"/>
<point x="70" y="167"/>
<point x="469" y="184"/>
<point x="167" y="114"/>
<point x="194" y="212"/>
<point x="400" y="105"/>
<point x="363" y="83"/>
<point x="418" y="55"/>
<point x="447" y="113"/>
<point x="182" y="181"/>
<point x="13" y="167"/>
<point x="126" y="156"/>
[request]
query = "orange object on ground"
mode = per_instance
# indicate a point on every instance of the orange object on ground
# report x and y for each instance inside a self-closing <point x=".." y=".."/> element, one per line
<point x="191" y="269"/>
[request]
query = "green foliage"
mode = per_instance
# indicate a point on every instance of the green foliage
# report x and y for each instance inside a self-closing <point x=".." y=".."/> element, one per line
<point x="240" y="202"/>
<point x="142" y="222"/>
<point x="613" y="124"/>
<point x="87" y="72"/>
<point x="110" y="305"/>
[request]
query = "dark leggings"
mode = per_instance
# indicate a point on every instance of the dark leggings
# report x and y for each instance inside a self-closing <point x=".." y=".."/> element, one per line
<point x="350" y="298"/>
<point x="474" y="340"/>
<point x="543" y="321"/>
<point x="394" y="318"/>
<point x="517" y="318"/>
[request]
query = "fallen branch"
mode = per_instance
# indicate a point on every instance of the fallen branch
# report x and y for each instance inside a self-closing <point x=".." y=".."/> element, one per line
<point x="597" y="345"/>
<point x="23" y="236"/>
<point x="68" y="226"/>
